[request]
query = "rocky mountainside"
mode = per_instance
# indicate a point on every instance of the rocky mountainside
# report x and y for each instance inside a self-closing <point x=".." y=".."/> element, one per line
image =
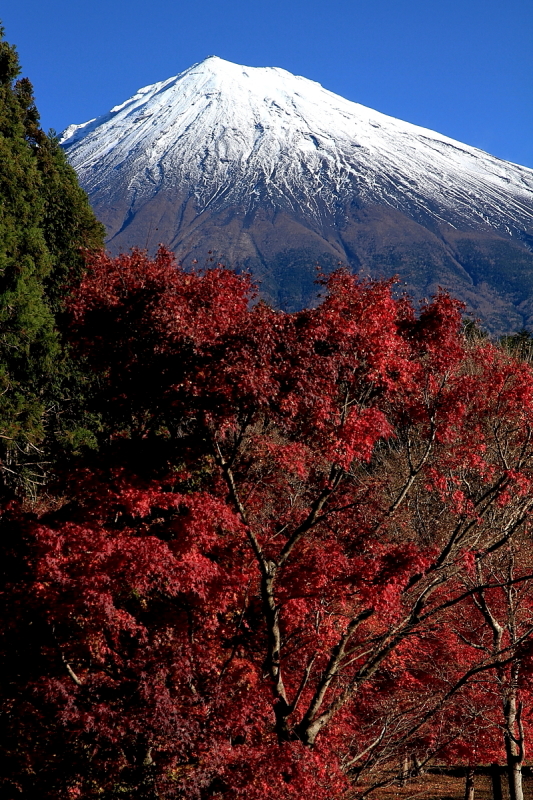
<point x="272" y="172"/>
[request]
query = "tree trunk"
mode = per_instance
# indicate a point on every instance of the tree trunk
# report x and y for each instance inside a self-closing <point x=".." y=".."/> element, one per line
<point x="469" y="785"/>
<point x="404" y="771"/>
<point x="496" y="780"/>
<point x="514" y="746"/>
<point x="514" y="775"/>
<point x="417" y="766"/>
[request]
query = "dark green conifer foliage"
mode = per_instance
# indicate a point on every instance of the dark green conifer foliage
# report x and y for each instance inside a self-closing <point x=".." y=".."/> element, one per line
<point x="28" y="344"/>
<point x="69" y="224"/>
<point x="45" y="221"/>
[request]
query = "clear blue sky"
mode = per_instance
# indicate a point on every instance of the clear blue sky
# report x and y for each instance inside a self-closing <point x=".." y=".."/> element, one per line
<point x="461" y="67"/>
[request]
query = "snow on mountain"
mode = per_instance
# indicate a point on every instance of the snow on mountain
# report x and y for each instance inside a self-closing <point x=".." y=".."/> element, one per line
<point x="270" y="172"/>
<point x="235" y="135"/>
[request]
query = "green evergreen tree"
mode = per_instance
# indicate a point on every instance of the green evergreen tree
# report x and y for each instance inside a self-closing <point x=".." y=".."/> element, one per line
<point x="45" y="223"/>
<point x="69" y="224"/>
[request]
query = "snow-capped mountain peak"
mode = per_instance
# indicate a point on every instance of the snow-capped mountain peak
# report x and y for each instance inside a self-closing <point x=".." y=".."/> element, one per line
<point x="273" y="172"/>
<point x="231" y="133"/>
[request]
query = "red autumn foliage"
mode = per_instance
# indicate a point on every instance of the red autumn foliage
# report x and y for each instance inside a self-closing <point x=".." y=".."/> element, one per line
<point x="259" y="586"/>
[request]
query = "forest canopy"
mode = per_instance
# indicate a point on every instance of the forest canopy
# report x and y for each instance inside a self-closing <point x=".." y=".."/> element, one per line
<point x="300" y="541"/>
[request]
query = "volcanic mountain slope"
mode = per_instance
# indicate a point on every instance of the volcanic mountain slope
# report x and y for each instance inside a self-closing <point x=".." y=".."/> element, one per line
<point x="272" y="172"/>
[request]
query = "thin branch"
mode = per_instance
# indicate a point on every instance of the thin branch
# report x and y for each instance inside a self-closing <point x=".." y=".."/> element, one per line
<point x="370" y="747"/>
<point x="413" y="472"/>
<point x="312" y="518"/>
<point x="303" y="683"/>
<point x="72" y="674"/>
<point x="470" y="593"/>
<point x="332" y="668"/>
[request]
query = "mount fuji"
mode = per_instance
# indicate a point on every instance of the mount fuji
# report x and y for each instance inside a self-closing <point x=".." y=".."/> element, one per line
<point x="272" y="172"/>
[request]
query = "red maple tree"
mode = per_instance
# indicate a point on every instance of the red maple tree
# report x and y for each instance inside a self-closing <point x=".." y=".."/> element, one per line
<point x="251" y="590"/>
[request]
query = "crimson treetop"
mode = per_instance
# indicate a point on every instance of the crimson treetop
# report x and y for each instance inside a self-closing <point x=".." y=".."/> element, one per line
<point x="261" y="562"/>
